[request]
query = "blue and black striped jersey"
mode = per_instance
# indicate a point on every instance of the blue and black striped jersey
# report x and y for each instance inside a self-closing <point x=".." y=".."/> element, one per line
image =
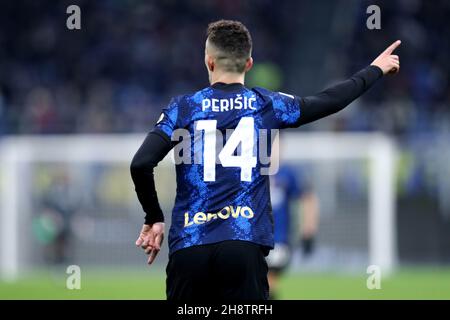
<point x="222" y="136"/>
<point x="222" y="192"/>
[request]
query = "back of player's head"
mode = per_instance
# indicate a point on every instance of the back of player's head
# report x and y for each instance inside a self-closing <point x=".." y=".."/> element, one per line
<point x="232" y="44"/>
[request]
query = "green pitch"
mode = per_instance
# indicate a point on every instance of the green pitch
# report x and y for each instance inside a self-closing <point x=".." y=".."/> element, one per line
<point x="407" y="284"/>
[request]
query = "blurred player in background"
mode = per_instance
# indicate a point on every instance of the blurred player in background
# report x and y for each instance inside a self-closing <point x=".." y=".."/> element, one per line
<point x="222" y="226"/>
<point x="52" y="226"/>
<point x="290" y="189"/>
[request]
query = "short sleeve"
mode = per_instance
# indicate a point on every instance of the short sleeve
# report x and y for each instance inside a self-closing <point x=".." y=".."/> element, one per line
<point x="286" y="109"/>
<point x="167" y="121"/>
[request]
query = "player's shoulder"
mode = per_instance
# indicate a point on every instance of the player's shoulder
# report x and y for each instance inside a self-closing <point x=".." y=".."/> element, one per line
<point x="181" y="107"/>
<point x="263" y="93"/>
<point x="176" y="101"/>
<point x="196" y="97"/>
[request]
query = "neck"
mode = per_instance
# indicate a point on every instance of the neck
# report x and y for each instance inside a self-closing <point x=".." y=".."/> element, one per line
<point x="227" y="77"/>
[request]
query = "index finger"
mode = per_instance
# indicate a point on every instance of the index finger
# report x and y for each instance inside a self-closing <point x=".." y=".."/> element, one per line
<point x="392" y="47"/>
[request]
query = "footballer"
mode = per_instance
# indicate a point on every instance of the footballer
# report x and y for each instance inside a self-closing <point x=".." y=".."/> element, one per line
<point x="222" y="225"/>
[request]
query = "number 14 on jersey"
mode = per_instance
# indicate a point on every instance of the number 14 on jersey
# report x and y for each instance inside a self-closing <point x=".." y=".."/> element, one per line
<point x="244" y="134"/>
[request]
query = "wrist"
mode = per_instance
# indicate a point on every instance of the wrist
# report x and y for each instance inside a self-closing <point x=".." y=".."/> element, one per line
<point x="377" y="69"/>
<point x="154" y="218"/>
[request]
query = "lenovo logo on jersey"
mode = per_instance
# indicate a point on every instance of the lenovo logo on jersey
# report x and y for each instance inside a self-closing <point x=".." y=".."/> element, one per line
<point x="225" y="213"/>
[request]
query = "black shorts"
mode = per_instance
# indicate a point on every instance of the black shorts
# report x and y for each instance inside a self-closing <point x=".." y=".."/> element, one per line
<point x="227" y="270"/>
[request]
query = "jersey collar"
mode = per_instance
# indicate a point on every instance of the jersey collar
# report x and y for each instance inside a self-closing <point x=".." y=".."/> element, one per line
<point x="227" y="86"/>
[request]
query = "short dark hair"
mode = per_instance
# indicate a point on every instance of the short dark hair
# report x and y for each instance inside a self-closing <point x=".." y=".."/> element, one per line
<point x="234" y="43"/>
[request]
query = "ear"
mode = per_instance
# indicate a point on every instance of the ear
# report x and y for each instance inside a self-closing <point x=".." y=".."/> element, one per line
<point x="249" y="64"/>
<point x="209" y="63"/>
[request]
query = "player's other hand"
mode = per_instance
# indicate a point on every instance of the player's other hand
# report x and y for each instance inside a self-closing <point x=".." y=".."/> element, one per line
<point x="150" y="239"/>
<point x="389" y="63"/>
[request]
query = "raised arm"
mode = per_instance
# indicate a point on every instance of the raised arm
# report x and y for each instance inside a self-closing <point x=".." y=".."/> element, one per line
<point x="340" y="95"/>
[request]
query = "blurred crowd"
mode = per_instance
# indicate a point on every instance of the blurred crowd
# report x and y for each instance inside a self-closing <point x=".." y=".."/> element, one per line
<point x="414" y="106"/>
<point x="130" y="57"/>
<point x="116" y="73"/>
<point x="417" y="101"/>
<point x="121" y="68"/>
